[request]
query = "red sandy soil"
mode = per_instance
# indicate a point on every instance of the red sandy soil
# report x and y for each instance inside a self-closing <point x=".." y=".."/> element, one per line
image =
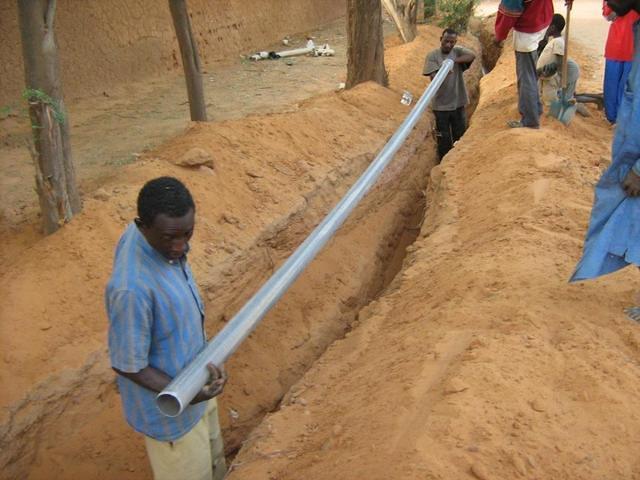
<point x="270" y="178"/>
<point x="480" y="361"/>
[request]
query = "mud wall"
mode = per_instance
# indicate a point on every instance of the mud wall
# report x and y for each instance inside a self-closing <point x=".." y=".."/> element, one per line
<point x="114" y="41"/>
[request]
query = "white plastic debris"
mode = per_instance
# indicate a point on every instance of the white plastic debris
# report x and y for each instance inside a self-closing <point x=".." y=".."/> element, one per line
<point x="407" y="98"/>
<point x="323" y="51"/>
<point x="311" y="49"/>
<point x="341" y="86"/>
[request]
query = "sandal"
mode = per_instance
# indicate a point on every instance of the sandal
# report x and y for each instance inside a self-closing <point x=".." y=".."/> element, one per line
<point x="514" y="124"/>
<point x="633" y="313"/>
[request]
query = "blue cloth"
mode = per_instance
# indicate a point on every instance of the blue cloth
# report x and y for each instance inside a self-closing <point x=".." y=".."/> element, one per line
<point x="512" y="8"/>
<point x="613" y="237"/>
<point x="155" y="318"/>
<point x="616" y="74"/>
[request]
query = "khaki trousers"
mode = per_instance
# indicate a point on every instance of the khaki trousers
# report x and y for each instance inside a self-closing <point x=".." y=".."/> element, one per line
<point x="198" y="455"/>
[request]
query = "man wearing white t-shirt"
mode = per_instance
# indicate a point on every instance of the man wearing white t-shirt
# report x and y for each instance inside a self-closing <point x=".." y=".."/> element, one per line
<point x="549" y="64"/>
<point x="529" y="20"/>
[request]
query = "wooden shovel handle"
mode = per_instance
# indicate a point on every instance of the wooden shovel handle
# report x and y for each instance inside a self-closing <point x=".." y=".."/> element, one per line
<point x="565" y="57"/>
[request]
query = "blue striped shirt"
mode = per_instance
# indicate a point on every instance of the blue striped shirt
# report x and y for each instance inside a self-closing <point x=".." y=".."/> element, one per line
<point x="155" y="318"/>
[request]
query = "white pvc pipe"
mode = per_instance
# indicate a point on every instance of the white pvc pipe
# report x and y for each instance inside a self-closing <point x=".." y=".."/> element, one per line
<point x="184" y="387"/>
<point x="293" y="53"/>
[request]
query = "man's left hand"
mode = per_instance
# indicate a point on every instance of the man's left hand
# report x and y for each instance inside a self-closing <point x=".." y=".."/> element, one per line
<point x="217" y="380"/>
<point x="631" y="184"/>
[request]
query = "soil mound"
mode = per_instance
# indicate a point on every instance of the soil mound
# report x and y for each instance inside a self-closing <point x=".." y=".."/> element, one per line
<point x="480" y="361"/>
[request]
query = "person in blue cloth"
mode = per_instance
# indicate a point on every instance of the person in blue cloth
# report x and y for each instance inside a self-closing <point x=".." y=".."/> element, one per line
<point x="156" y="328"/>
<point x="613" y="238"/>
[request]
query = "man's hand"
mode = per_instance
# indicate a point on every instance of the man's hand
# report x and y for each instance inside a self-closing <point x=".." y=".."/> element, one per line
<point x="496" y="42"/>
<point x="217" y="380"/>
<point x="631" y="184"/>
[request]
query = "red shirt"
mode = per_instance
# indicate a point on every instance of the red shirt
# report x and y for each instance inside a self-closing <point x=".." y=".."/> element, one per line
<point x="536" y="16"/>
<point x="620" y="40"/>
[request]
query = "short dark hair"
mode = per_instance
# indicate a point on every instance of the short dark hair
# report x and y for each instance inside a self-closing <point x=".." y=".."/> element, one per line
<point x="166" y="195"/>
<point x="448" y="31"/>
<point x="558" y="21"/>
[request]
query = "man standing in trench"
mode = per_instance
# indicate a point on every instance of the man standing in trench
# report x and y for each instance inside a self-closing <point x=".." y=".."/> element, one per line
<point x="529" y="20"/>
<point x="613" y="237"/>
<point x="156" y="328"/>
<point x="451" y="99"/>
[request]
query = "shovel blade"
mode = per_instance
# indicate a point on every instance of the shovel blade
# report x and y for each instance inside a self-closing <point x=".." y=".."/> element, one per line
<point x="567" y="114"/>
<point x="555" y="108"/>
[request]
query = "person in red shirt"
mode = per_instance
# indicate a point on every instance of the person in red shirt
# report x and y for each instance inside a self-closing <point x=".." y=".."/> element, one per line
<point x="529" y="20"/>
<point x="618" y="53"/>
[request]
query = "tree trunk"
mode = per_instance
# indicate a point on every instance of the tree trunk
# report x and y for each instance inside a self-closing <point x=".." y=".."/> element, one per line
<point x="404" y="14"/>
<point x="365" y="52"/>
<point x="420" y="18"/>
<point x="55" y="173"/>
<point x="190" y="59"/>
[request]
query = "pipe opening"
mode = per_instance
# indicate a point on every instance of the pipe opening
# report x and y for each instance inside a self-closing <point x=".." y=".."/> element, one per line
<point x="169" y="404"/>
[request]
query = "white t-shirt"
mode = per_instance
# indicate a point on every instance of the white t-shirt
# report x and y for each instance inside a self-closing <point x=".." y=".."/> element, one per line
<point x="527" y="42"/>
<point x="554" y="47"/>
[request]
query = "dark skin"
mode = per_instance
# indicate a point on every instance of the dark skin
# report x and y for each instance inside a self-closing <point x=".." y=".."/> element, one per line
<point x="447" y="42"/>
<point x="552" y="32"/>
<point x="631" y="183"/>
<point x="170" y="237"/>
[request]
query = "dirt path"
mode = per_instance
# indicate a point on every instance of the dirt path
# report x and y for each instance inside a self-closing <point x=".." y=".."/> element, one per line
<point x="113" y="128"/>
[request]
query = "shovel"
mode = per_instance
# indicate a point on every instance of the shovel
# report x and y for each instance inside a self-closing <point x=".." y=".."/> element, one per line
<point x="563" y="108"/>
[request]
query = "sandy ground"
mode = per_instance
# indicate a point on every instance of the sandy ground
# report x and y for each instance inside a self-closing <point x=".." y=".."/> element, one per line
<point x="271" y="182"/>
<point x="113" y="129"/>
<point x="480" y="361"/>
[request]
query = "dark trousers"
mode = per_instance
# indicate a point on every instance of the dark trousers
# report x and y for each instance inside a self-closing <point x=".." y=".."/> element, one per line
<point x="529" y="102"/>
<point x="450" y="126"/>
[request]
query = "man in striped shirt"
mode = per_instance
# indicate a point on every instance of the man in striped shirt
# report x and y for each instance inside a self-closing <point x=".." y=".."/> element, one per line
<point x="156" y="328"/>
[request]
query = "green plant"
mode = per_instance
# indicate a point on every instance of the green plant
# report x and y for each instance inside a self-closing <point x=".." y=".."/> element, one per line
<point x="5" y="111"/>
<point x="429" y="8"/>
<point x="34" y="95"/>
<point x="456" y="13"/>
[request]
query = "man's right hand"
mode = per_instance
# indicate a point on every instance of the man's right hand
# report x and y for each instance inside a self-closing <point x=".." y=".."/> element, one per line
<point x="631" y="184"/>
<point x="217" y="380"/>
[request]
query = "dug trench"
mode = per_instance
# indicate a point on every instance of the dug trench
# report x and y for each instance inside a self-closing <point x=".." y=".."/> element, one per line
<point x="479" y="361"/>
<point x="264" y="183"/>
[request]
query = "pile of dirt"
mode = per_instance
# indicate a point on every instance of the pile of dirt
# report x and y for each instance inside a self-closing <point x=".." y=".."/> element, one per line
<point x="480" y="361"/>
<point x="260" y="185"/>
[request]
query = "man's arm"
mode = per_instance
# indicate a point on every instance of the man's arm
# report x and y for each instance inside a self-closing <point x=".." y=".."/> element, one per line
<point x="149" y="377"/>
<point x="431" y="66"/>
<point x="130" y="325"/>
<point x="504" y="24"/>
<point x="156" y="380"/>
<point x="464" y="56"/>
